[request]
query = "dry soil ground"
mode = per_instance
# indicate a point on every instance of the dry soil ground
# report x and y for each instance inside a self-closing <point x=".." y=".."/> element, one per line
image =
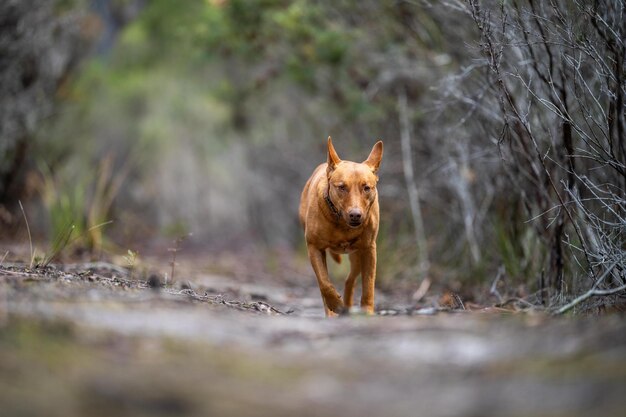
<point x="93" y="340"/>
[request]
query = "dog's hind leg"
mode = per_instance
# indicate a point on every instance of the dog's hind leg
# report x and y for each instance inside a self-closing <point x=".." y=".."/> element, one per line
<point x="355" y="270"/>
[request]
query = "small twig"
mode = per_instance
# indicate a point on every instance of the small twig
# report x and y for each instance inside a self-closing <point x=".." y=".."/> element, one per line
<point x="458" y="299"/>
<point x="30" y="239"/>
<point x="494" y="290"/>
<point x="4" y="257"/>
<point x="174" y="251"/>
<point x="421" y="290"/>
<point x="173" y="261"/>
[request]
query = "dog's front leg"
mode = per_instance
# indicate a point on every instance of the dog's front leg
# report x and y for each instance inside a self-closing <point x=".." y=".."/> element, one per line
<point x="355" y="270"/>
<point x="332" y="300"/>
<point x="368" y="266"/>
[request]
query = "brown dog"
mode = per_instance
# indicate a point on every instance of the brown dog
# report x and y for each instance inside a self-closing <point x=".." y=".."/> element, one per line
<point x="339" y="213"/>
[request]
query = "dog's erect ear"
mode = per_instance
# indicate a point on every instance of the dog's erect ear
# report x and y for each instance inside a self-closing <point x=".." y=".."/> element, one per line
<point x="373" y="161"/>
<point x="333" y="159"/>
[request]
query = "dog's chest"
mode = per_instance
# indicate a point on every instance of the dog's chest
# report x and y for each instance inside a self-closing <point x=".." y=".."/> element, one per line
<point x="344" y="246"/>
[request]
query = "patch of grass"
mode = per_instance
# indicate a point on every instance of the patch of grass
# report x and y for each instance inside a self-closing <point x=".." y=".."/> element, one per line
<point x="61" y="241"/>
<point x="78" y="205"/>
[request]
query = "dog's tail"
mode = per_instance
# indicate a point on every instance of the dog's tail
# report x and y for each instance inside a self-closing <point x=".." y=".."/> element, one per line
<point x="336" y="257"/>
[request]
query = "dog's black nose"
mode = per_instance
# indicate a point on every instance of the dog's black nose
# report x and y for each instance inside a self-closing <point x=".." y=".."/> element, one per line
<point x="355" y="215"/>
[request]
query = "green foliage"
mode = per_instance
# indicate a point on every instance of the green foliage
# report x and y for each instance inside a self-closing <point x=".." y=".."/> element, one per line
<point x="79" y="206"/>
<point x="519" y="250"/>
<point x="64" y="203"/>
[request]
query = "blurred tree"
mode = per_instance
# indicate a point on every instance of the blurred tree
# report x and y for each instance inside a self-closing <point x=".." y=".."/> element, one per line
<point x="41" y="42"/>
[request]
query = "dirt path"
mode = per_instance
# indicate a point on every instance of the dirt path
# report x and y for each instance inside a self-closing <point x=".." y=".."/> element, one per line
<point x="90" y="341"/>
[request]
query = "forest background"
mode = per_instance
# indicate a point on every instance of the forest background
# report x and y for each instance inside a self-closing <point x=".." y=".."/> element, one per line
<point x="503" y="122"/>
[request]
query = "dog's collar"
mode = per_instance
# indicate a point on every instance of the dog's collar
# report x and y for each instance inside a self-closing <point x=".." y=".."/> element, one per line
<point x="331" y="205"/>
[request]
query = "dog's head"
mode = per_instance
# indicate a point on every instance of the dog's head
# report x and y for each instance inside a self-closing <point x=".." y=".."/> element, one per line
<point x="352" y="185"/>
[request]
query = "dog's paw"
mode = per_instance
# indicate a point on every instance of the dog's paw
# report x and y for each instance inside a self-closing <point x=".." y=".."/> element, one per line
<point x="335" y="304"/>
<point x="367" y="310"/>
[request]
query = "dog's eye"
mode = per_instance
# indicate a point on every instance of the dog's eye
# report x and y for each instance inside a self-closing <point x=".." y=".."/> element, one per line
<point x="367" y="188"/>
<point x="341" y="187"/>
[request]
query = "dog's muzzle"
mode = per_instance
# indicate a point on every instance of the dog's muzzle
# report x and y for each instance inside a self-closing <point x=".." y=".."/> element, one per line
<point x="355" y="217"/>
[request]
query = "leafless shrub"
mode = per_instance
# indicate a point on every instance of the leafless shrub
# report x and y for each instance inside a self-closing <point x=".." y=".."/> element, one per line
<point x="556" y="72"/>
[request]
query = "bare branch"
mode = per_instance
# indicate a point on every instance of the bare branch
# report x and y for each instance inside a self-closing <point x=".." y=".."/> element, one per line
<point x="594" y="291"/>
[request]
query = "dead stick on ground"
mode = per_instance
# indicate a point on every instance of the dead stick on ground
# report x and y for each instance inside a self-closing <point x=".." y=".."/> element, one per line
<point x="594" y="291"/>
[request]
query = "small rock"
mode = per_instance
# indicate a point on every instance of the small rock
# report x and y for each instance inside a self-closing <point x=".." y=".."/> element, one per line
<point x="155" y="281"/>
<point x="426" y="311"/>
<point x="258" y="297"/>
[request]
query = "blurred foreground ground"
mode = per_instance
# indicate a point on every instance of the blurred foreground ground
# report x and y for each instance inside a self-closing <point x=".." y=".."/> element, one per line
<point x="95" y="340"/>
